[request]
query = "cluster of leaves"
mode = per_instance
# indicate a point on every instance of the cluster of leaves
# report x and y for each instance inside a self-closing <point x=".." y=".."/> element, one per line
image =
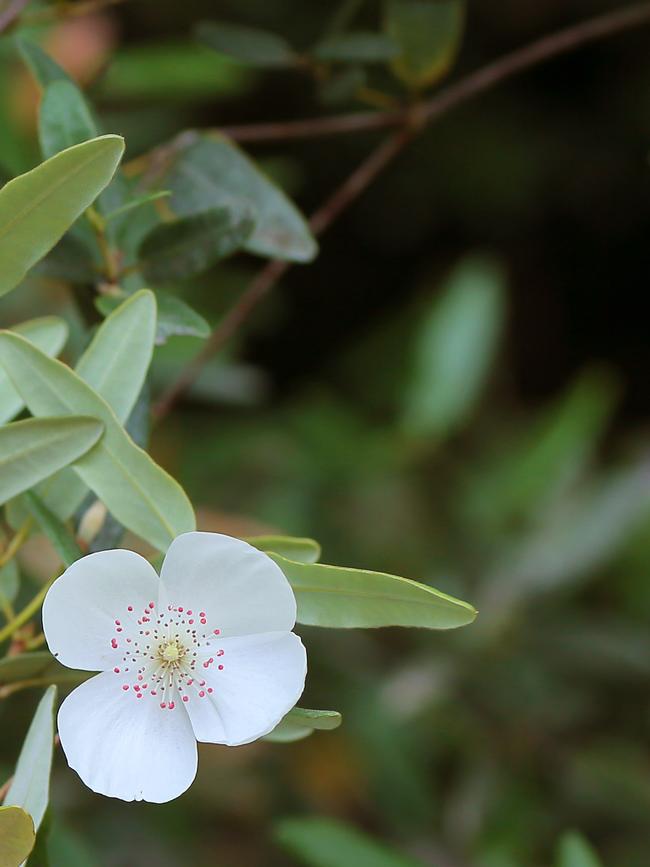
<point x="77" y="470"/>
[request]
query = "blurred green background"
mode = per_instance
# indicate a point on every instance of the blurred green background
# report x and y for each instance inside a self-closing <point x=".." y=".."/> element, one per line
<point x="455" y="390"/>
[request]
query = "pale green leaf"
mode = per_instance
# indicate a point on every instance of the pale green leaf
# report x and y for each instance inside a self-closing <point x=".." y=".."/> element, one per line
<point x="359" y="47"/>
<point x="30" y="788"/>
<point x="428" y="33"/>
<point x="329" y="843"/>
<point x="211" y="172"/>
<point x="247" y="44"/>
<point x="44" y="69"/>
<point x="116" y="362"/>
<point x="32" y="450"/>
<point x="574" y="851"/>
<point x="9" y="581"/>
<point x="180" y="249"/>
<point x="64" y="118"/>
<point x="301" y="722"/>
<point x="40" y="665"/>
<point x="38" y="207"/>
<point x="455" y="347"/>
<point x="340" y="598"/>
<point x="54" y="529"/>
<point x="175" y="317"/>
<point x="16" y="836"/>
<point x="139" y="493"/>
<point x="291" y="547"/>
<point x="49" y="333"/>
<point x="115" y="366"/>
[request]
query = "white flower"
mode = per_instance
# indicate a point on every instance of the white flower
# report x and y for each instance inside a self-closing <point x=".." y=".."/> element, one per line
<point x="205" y="652"/>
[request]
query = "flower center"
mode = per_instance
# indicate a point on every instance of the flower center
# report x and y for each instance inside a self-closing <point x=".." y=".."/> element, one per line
<point x="166" y="655"/>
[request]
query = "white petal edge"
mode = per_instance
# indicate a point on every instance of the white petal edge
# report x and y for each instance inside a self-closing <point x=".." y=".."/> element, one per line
<point x="126" y="748"/>
<point x="81" y="607"/>
<point x="263" y="677"/>
<point x="242" y="591"/>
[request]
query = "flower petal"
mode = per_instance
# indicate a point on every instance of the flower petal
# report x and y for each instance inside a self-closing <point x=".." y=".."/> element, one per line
<point x="126" y="748"/>
<point x="262" y="678"/>
<point x="241" y="590"/>
<point x="81" y="607"/>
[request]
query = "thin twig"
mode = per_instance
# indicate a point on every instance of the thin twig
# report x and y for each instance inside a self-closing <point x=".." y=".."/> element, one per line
<point x="410" y="120"/>
<point x="475" y="83"/>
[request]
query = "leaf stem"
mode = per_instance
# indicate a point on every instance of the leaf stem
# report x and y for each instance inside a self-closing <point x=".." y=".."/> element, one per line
<point x="17" y="541"/>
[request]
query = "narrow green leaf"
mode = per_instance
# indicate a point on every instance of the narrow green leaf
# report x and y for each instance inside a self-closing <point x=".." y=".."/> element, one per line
<point x="356" y="48"/>
<point x="9" y="581"/>
<point x="291" y="547"/>
<point x="115" y="366"/>
<point x="300" y="722"/>
<point x="30" y="788"/>
<point x="49" y="334"/>
<point x="341" y="598"/>
<point x="330" y="843"/>
<point x="54" y="529"/>
<point x="211" y="172"/>
<point x="116" y="362"/>
<point x="177" y="250"/>
<point x="140" y="494"/>
<point x="574" y="851"/>
<point x="43" y="68"/>
<point x="455" y="348"/>
<point x="247" y="44"/>
<point x="428" y="33"/>
<point x="38" y="207"/>
<point x="136" y="203"/>
<point x="175" y="317"/>
<point x="64" y="118"/>
<point x="40" y="665"/>
<point x="16" y="836"/>
<point x="33" y="449"/>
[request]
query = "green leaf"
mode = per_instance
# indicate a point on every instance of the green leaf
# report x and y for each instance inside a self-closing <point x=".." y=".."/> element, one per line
<point x="175" y="317"/>
<point x="356" y="48"/>
<point x="291" y="547"/>
<point x="64" y="118"/>
<point x="16" y="836"/>
<point x="330" y="843"/>
<point x="9" y="581"/>
<point x="49" y="333"/>
<point x="247" y="44"/>
<point x="141" y="495"/>
<point x="137" y="202"/>
<point x="574" y="851"/>
<point x="300" y="722"/>
<point x="428" y="33"/>
<point x="454" y="350"/>
<point x="116" y="362"/>
<point x="211" y="172"/>
<point x="342" y="598"/>
<point x="30" y="788"/>
<point x="43" y="68"/>
<point x="38" y="207"/>
<point x="552" y="452"/>
<point x="177" y="250"/>
<point x="115" y="366"/>
<point x="40" y="665"/>
<point x="54" y="529"/>
<point x="32" y="450"/>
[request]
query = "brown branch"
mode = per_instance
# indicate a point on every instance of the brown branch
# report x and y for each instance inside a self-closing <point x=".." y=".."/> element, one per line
<point x="410" y="120"/>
